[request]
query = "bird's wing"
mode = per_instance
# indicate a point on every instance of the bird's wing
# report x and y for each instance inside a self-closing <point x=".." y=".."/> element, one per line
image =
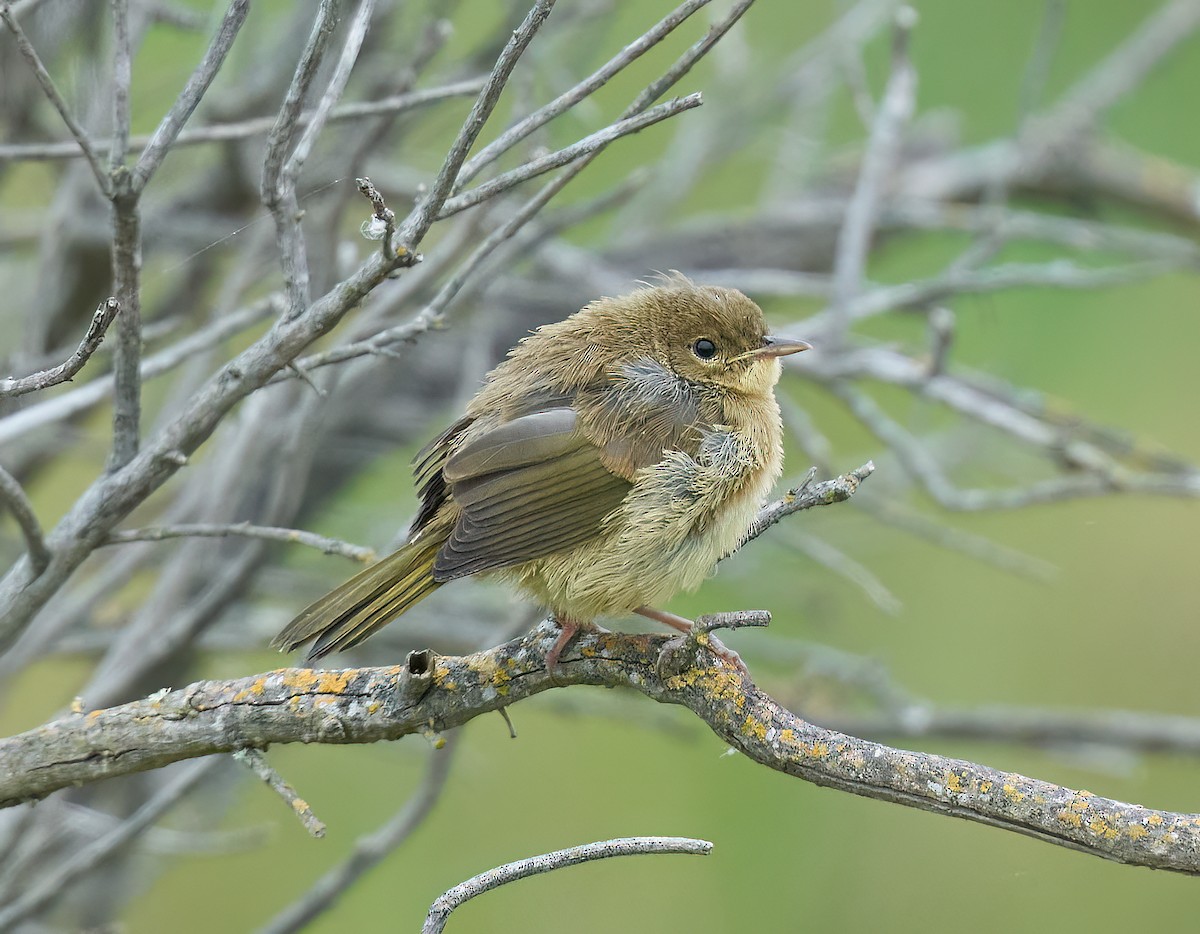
<point x="427" y="469"/>
<point x="526" y="488"/>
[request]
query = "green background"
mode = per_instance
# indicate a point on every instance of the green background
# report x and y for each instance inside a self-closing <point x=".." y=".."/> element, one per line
<point x="1115" y="628"/>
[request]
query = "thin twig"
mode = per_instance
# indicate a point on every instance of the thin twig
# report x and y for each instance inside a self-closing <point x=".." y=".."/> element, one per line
<point x="1121" y="71"/>
<point x="883" y="146"/>
<point x="440" y="910"/>
<point x="256" y="761"/>
<point x="840" y="563"/>
<point x="1078" y="449"/>
<point x="122" y="76"/>
<point x="1121" y="731"/>
<point x="386" y="341"/>
<point x="278" y="188"/>
<point x="189" y="98"/>
<point x="1060" y="273"/>
<point x="417" y="224"/>
<point x="105" y="314"/>
<point x="330" y="546"/>
<point x="733" y="619"/>
<point x="255" y="126"/>
<point x="82" y="139"/>
<point x="50" y="884"/>
<point x="80" y="399"/>
<point x="682" y="65"/>
<point x="807" y="495"/>
<point x="19" y="505"/>
<point x="568" y="99"/>
<point x="333" y="92"/>
<point x="585" y="147"/>
<point x="369" y="849"/>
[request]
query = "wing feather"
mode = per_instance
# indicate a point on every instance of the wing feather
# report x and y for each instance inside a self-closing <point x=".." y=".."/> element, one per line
<point x="527" y="488"/>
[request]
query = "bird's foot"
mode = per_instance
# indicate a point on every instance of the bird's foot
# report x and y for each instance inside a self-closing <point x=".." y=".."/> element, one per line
<point x="569" y="628"/>
<point x="691" y="632"/>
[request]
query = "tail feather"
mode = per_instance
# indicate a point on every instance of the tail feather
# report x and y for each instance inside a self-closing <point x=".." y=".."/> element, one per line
<point x="373" y="597"/>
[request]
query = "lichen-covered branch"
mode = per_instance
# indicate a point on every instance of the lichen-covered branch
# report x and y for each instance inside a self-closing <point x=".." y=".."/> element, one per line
<point x="430" y="694"/>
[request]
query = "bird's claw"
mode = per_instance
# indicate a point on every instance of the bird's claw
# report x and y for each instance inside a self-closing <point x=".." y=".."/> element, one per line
<point x="678" y="651"/>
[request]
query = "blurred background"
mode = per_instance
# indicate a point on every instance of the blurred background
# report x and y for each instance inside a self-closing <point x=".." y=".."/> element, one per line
<point x="1017" y="358"/>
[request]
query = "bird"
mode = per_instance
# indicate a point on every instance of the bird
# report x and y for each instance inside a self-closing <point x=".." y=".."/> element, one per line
<point x="608" y="463"/>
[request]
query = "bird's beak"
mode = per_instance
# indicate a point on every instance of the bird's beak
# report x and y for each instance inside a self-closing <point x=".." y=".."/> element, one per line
<point x="780" y="347"/>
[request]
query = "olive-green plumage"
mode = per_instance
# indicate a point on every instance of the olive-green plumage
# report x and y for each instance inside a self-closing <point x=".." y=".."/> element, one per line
<point x="611" y="461"/>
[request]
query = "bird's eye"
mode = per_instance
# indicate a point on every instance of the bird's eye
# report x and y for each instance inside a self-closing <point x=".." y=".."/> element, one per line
<point x="704" y="349"/>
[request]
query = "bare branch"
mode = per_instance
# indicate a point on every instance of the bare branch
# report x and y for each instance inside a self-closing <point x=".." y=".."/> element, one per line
<point x="442" y="692"/>
<point x="52" y="883"/>
<point x="1121" y="731"/>
<point x="435" y="923"/>
<point x="585" y="147"/>
<point x="370" y="849"/>
<point x="22" y="509"/>
<point x="127" y="351"/>
<point x="82" y="139"/>
<point x="255" y="126"/>
<point x="568" y="99"/>
<point x="684" y="63"/>
<point x="1096" y="473"/>
<point x="122" y="76"/>
<point x="417" y="224"/>
<point x="256" y="761"/>
<point x="807" y="495"/>
<point x="1062" y="274"/>
<point x="105" y="314"/>
<point x="278" y="188"/>
<point x="189" y="98"/>
<point x="883" y="145"/>
<point x="70" y="404"/>
<point x="333" y="91"/>
<point x="330" y="546"/>
<point x="1124" y="69"/>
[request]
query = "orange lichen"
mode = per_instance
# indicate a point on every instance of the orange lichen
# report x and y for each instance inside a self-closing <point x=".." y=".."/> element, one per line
<point x="755" y="728"/>
<point x="1102" y="828"/>
<point x="256" y="689"/>
<point x="1136" y="831"/>
<point x="299" y="679"/>
<point x="334" y="682"/>
<point x="953" y="782"/>
<point x="1070" y="817"/>
<point x="1013" y="793"/>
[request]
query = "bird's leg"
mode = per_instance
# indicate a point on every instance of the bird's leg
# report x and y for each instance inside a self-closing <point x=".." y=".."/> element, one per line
<point x="685" y="625"/>
<point x="568" y="629"/>
<point x="682" y="623"/>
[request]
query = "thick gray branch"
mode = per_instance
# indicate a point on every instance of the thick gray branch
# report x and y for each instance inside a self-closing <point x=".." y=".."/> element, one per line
<point x="437" y="693"/>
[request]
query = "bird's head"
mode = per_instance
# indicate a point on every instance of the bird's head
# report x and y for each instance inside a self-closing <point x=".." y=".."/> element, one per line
<point x="714" y="336"/>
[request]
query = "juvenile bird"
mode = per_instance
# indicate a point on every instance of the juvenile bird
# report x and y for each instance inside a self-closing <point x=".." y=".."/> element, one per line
<point x="608" y="463"/>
